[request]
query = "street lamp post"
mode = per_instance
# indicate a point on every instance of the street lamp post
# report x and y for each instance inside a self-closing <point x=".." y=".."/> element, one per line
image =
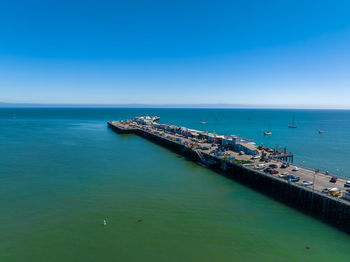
<point x="313" y="182"/>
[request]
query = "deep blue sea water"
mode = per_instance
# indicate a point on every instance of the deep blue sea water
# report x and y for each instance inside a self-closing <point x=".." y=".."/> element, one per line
<point x="62" y="171"/>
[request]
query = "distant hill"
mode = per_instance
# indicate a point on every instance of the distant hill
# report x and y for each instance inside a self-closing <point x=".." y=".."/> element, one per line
<point x="213" y="106"/>
<point x="32" y="105"/>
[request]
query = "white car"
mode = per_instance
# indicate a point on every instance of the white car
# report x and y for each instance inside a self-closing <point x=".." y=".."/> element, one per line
<point x="295" y="168"/>
<point x="255" y="157"/>
<point x="259" y="166"/>
<point x="307" y="183"/>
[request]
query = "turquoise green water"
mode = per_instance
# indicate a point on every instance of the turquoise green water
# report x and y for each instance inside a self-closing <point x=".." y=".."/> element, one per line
<point x="63" y="171"/>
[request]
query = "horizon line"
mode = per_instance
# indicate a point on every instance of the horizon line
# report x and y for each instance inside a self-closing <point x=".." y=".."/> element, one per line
<point x="174" y="106"/>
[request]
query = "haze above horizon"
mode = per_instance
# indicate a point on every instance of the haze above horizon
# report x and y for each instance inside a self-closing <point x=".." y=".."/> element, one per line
<point x="288" y="54"/>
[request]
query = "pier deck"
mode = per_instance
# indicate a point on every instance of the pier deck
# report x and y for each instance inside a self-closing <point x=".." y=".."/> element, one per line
<point x="321" y="179"/>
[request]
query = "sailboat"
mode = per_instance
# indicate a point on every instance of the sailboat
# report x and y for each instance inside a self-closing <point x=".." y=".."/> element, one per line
<point x="292" y="125"/>
<point x="268" y="133"/>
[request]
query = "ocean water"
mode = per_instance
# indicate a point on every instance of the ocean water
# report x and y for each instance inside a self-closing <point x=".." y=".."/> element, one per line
<point x="62" y="171"/>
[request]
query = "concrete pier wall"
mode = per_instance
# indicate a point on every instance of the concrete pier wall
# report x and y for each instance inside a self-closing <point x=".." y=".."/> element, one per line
<point x="321" y="206"/>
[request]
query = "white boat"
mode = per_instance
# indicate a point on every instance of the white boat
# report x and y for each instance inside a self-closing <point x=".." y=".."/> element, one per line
<point x="321" y="131"/>
<point x="202" y="164"/>
<point x="203" y="123"/>
<point x="268" y="133"/>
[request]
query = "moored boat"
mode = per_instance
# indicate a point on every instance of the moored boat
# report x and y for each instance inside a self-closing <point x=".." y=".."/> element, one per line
<point x="292" y="125"/>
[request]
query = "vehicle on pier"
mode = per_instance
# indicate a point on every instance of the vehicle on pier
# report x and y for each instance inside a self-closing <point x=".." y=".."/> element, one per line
<point x="335" y="191"/>
<point x="333" y="179"/>
<point x="292" y="178"/>
<point x="307" y="183"/>
<point x="346" y="195"/>
<point x="267" y="170"/>
<point x="325" y="190"/>
<point x="285" y="165"/>
<point x="259" y="166"/>
<point x="283" y="175"/>
<point x="295" y="169"/>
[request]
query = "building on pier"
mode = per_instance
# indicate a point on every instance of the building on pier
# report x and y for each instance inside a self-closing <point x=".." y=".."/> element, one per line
<point x="249" y="149"/>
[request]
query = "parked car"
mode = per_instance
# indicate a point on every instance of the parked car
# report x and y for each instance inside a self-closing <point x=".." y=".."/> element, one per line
<point x="333" y="179"/>
<point x="259" y="166"/>
<point x="267" y="160"/>
<point x="346" y="195"/>
<point x="267" y="170"/>
<point x="292" y="178"/>
<point x="282" y="175"/>
<point x="273" y="171"/>
<point x="273" y="165"/>
<point x="325" y="190"/>
<point x="335" y="192"/>
<point x="262" y="159"/>
<point x="241" y="152"/>
<point x="295" y="168"/>
<point x="347" y="183"/>
<point x="307" y="183"/>
<point x="205" y="148"/>
<point x="255" y="157"/>
<point x="284" y="165"/>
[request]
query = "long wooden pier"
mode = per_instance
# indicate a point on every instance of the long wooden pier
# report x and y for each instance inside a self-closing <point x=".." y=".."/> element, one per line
<point x="242" y="168"/>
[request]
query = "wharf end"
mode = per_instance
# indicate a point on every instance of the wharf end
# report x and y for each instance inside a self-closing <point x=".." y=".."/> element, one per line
<point x="237" y="161"/>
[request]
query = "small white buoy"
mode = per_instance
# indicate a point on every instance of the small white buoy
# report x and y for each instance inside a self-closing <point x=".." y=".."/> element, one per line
<point x="104" y="222"/>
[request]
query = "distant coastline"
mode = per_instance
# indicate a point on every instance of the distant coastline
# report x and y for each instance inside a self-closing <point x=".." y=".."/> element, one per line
<point x="179" y="106"/>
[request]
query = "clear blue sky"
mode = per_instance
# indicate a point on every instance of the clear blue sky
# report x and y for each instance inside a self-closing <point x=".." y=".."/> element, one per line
<point x="290" y="53"/>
